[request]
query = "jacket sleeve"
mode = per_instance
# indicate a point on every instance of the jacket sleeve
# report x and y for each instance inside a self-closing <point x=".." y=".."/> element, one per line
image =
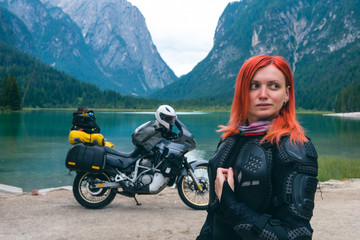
<point x="219" y="159"/>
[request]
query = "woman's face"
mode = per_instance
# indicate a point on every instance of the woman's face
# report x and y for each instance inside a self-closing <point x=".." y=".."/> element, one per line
<point x="268" y="92"/>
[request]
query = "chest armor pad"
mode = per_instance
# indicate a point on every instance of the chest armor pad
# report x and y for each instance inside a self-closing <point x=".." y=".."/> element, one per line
<point x="253" y="175"/>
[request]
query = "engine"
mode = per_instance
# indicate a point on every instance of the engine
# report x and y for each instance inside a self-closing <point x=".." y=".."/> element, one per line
<point x="154" y="182"/>
<point x="144" y="166"/>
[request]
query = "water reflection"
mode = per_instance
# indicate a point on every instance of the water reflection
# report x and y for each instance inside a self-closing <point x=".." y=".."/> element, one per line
<point x="10" y="124"/>
<point x="333" y="136"/>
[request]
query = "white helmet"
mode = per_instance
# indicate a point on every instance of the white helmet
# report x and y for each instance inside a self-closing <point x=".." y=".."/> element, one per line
<point x="166" y="116"/>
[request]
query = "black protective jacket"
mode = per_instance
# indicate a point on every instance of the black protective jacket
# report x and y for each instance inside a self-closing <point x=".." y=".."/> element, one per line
<point x="281" y="209"/>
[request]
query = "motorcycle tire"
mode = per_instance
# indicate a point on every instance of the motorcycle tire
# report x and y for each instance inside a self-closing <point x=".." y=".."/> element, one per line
<point x="190" y="194"/>
<point x="91" y="197"/>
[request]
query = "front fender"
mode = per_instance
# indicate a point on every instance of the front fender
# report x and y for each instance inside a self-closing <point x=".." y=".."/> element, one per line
<point x="193" y="165"/>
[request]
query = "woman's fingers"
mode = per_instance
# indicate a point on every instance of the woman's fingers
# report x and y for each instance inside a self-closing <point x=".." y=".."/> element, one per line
<point x="223" y="175"/>
<point x="222" y="172"/>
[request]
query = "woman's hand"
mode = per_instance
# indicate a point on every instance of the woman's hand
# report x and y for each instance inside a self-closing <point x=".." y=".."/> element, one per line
<point x="223" y="175"/>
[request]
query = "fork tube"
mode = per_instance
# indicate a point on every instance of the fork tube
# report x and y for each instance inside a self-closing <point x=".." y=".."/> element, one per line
<point x="192" y="175"/>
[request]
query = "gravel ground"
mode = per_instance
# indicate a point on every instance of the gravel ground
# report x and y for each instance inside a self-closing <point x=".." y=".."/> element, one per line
<point x="57" y="215"/>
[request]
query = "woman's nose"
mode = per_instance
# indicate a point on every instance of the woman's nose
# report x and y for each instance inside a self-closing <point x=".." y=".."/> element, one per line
<point x="263" y="92"/>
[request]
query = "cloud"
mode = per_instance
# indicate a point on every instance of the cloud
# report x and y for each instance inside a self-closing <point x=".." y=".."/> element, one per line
<point x="182" y="30"/>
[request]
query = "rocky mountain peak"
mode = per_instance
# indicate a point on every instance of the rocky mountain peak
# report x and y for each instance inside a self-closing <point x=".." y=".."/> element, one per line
<point x="116" y="32"/>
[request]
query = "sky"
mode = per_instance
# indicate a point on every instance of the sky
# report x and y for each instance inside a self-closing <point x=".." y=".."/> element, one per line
<point x="182" y="30"/>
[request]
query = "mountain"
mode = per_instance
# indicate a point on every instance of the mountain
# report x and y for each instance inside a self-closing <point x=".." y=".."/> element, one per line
<point x="14" y="32"/>
<point x="102" y="42"/>
<point x="43" y="86"/>
<point x="51" y="36"/>
<point x="320" y="39"/>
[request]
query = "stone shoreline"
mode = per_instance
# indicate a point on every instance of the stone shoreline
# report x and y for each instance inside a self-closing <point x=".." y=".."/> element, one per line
<point x="344" y="115"/>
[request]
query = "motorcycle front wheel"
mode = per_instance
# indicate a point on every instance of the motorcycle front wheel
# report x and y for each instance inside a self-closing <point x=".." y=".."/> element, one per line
<point x="90" y="196"/>
<point x="190" y="194"/>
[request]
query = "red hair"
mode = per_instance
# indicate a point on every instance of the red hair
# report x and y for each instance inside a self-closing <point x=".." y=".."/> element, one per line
<point x="285" y="123"/>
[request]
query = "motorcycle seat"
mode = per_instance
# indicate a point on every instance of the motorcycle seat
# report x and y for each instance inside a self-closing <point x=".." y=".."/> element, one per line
<point x="120" y="159"/>
<point x="135" y="152"/>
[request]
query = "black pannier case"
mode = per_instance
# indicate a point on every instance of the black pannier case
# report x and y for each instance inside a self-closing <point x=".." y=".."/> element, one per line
<point x="171" y="166"/>
<point x="85" y="158"/>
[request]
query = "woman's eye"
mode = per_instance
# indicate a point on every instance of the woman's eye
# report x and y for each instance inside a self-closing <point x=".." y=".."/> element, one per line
<point x="275" y="86"/>
<point x="254" y="86"/>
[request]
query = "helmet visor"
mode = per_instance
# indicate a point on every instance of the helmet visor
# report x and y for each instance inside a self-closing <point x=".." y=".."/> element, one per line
<point x="169" y="119"/>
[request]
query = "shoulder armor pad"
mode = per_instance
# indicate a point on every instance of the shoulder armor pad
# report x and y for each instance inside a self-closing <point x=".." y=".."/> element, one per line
<point x="222" y="153"/>
<point x="304" y="155"/>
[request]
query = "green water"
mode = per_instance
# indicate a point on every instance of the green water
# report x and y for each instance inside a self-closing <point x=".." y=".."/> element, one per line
<point x="33" y="144"/>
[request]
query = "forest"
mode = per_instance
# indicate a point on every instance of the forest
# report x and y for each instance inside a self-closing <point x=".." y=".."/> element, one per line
<point x="349" y="99"/>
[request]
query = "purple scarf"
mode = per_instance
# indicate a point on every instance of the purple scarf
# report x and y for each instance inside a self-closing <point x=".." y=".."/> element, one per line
<point x="255" y="128"/>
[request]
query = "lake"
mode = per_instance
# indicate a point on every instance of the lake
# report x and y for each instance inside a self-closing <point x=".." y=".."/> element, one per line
<point x="33" y="144"/>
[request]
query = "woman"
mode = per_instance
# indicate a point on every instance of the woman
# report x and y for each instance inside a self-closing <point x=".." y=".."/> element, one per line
<point x="263" y="174"/>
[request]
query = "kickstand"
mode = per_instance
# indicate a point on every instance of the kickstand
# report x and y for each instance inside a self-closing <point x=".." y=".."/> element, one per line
<point x="137" y="203"/>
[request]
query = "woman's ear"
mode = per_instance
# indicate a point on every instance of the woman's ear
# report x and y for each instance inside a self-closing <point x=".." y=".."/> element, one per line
<point x="287" y="93"/>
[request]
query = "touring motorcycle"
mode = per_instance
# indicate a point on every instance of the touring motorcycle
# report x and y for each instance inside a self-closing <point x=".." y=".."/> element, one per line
<point x="103" y="172"/>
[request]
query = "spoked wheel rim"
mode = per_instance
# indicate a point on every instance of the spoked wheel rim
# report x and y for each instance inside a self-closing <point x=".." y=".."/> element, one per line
<point x="198" y="197"/>
<point x="89" y="192"/>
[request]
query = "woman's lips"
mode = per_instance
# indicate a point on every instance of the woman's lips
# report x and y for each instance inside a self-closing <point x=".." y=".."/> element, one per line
<point x="263" y="105"/>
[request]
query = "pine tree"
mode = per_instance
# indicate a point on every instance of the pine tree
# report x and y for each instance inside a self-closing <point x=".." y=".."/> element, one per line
<point x="10" y="93"/>
<point x="4" y="92"/>
<point x="1" y="93"/>
<point x="14" y="94"/>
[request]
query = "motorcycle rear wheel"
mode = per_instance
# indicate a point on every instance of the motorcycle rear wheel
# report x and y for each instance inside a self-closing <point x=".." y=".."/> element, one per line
<point x="89" y="196"/>
<point x="190" y="194"/>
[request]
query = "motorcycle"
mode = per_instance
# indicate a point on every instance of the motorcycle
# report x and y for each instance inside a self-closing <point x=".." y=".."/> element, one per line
<point x="103" y="172"/>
